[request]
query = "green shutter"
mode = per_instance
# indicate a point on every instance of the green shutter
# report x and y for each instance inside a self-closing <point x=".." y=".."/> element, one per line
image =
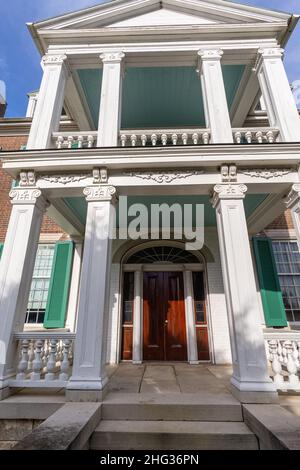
<point x="1" y="249"/>
<point x="59" y="286"/>
<point x="269" y="283"/>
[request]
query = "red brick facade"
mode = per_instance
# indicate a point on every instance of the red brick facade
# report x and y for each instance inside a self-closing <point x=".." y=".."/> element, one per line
<point x="48" y="226"/>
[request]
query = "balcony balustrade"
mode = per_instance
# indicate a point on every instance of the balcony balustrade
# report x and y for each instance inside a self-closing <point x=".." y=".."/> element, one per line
<point x="283" y="353"/>
<point x="44" y="359"/>
<point x="165" y="137"/>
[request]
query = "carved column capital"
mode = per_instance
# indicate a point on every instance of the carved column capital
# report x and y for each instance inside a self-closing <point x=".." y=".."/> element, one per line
<point x="57" y="59"/>
<point x="267" y="53"/>
<point x="104" y="192"/>
<point x="112" y="57"/>
<point x="293" y="196"/>
<point x="228" y="191"/>
<point x="28" y="196"/>
<point x="210" y="54"/>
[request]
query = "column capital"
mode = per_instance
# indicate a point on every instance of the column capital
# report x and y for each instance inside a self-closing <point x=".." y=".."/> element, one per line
<point x="112" y="57"/>
<point x="228" y="191"/>
<point x="58" y="59"/>
<point x="103" y="192"/>
<point x="267" y="53"/>
<point x="28" y="196"/>
<point x="293" y="196"/>
<point x="210" y="54"/>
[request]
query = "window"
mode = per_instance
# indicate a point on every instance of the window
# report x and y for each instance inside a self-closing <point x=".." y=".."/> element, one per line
<point x="40" y="284"/>
<point x="287" y="257"/>
<point x="162" y="254"/>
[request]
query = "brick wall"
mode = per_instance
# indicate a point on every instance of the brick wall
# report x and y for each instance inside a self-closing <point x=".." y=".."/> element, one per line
<point x="48" y="226"/>
<point x="282" y="222"/>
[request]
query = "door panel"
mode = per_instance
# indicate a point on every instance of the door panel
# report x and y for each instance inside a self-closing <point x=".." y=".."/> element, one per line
<point x="153" y="344"/>
<point x="164" y="317"/>
<point x="175" y="329"/>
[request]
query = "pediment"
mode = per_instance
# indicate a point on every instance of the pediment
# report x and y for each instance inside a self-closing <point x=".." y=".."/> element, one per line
<point x="147" y="13"/>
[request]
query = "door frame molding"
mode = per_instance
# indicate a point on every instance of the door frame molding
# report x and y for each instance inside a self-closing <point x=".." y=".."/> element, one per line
<point x="139" y="269"/>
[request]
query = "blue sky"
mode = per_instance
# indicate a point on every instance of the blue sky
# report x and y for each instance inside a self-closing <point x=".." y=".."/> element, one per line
<point x="20" y="61"/>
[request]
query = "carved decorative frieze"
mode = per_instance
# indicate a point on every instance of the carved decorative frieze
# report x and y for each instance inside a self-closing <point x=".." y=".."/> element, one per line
<point x="163" y="176"/>
<point x="228" y="191"/>
<point x="64" y="179"/>
<point x="100" y="175"/>
<point x="27" y="178"/>
<point x="293" y="196"/>
<point x="100" y="193"/>
<point x="266" y="173"/>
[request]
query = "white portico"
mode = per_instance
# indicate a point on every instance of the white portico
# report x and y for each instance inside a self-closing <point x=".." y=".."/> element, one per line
<point x="164" y="99"/>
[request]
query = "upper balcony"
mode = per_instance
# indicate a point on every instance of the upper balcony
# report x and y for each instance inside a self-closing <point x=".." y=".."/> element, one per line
<point x="164" y="75"/>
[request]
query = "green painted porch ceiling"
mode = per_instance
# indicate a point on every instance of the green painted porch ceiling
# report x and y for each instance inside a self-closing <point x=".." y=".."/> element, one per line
<point x="159" y="96"/>
<point x="252" y="201"/>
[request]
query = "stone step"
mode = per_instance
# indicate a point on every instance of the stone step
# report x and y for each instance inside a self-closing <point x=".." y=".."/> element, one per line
<point x="171" y="407"/>
<point x="172" y="435"/>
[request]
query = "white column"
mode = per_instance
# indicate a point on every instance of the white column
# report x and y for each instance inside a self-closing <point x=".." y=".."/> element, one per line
<point x="16" y="269"/>
<point x="89" y="372"/>
<point x="214" y="96"/>
<point x="137" y="346"/>
<point x="74" y="288"/>
<point x="190" y="317"/>
<point x="250" y="372"/>
<point x="49" y="103"/>
<point x="293" y="203"/>
<point x="111" y="97"/>
<point x="277" y="94"/>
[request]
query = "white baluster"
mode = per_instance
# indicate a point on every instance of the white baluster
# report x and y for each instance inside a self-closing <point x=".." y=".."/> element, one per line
<point x="238" y="137"/>
<point x="51" y="364"/>
<point x="295" y="353"/>
<point x="60" y="142"/>
<point x="174" y="139"/>
<point x="276" y="366"/>
<point x="133" y="140"/>
<point x="164" y="139"/>
<point x="23" y="364"/>
<point x="70" y="141"/>
<point x="90" y="140"/>
<point x="184" y="138"/>
<point x="154" y="139"/>
<point x="270" y="137"/>
<point x="37" y="362"/>
<point x="279" y="350"/>
<point x="248" y="137"/>
<point x="65" y="365"/>
<point x="268" y="354"/>
<point x="80" y="141"/>
<point x="298" y="347"/>
<point x="195" y="138"/>
<point x="30" y="356"/>
<point x="284" y="353"/>
<point x="205" y="138"/>
<point x="259" y="137"/>
<point x="123" y="140"/>
<point x="144" y="140"/>
<point x="293" y="379"/>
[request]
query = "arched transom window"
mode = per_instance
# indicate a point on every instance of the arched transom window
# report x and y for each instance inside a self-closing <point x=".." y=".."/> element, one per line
<point x="162" y="255"/>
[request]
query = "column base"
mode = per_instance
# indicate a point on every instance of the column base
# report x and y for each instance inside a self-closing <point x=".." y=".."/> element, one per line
<point x="194" y="363"/>
<point x="137" y="362"/>
<point x="254" y="392"/>
<point x="86" y="390"/>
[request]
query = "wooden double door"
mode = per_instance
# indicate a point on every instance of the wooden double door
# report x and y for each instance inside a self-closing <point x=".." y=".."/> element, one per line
<point x="164" y="329"/>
